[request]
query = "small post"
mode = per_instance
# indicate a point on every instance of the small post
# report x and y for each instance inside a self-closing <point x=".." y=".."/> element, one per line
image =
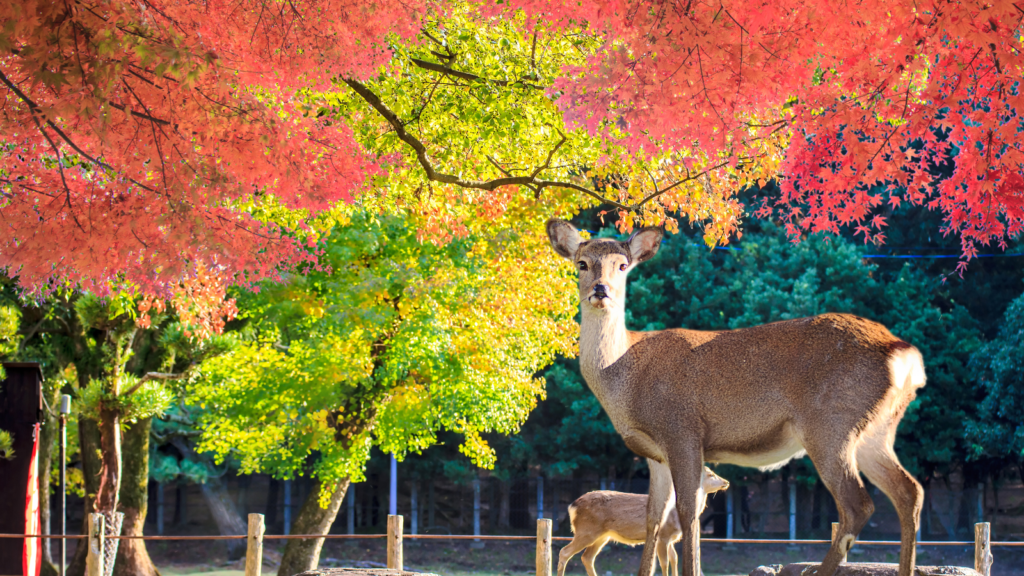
<point x="287" y="485"/>
<point x="94" y="552"/>
<point x="835" y="538"/>
<point x="254" y="546"/>
<point x="729" y="519"/>
<point x="476" y="514"/>
<point x="981" y="502"/>
<point x="604" y="483"/>
<point x="983" y="548"/>
<point x="393" y="495"/>
<point x="792" y="515"/>
<point x="792" y="510"/>
<point x="351" y="508"/>
<point x="415" y="503"/>
<point x="65" y="410"/>
<point x="543" y="547"/>
<point x="395" y="542"/>
<point x="540" y="497"/>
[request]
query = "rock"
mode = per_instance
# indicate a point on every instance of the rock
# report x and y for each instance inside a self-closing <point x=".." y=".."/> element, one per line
<point x="867" y="569"/>
<point x="770" y="570"/>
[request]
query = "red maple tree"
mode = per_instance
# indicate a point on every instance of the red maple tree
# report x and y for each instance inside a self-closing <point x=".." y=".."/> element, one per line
<point x="137" y="132"/>
<point x="134" y="132"/>
<point x="877" y="96"/>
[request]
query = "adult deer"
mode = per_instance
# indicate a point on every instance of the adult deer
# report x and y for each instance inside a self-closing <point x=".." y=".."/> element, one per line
<point x="833" y="386"/>
<point x="603" y="515"/>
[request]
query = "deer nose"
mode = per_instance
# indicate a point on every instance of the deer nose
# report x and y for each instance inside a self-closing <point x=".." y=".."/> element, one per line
<point x="600" y="290"/>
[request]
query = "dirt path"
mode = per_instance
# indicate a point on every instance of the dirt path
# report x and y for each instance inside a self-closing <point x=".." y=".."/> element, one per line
<point x="517" y="558"/>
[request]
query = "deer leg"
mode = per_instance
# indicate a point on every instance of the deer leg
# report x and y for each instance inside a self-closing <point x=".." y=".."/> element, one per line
<point x="663" y="546"/>
<point x="673" y="559"/>
<point x="838" y="470"/>
<point x="878" y="462"/>
<point x="568" y="551"/>
<point x="659" y="502"/>
<point x="687" y="469"/>
<point x="590" y="554"/>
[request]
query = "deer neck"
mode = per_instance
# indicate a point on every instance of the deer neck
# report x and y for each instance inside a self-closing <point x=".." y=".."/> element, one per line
<point x="603" y="341"/>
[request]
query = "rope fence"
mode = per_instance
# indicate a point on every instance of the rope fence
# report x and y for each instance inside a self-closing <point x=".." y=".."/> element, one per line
<point x="254" y="554"/>
<point x="491" y="537"/>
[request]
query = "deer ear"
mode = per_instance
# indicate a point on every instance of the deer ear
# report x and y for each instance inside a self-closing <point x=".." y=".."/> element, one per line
<point x="644" y="243"/>
<point x="565" y="238"/>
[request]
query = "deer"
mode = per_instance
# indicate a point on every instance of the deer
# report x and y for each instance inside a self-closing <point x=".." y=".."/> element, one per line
<point x="833" y="387"/>
<point x="603" y="515"/>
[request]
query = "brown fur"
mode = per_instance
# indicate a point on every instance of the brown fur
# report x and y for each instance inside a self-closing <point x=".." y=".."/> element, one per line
<point x="603" y="515"/>
<point x="834" y="385"/>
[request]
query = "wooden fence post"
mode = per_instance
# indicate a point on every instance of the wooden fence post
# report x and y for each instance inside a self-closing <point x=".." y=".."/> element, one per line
<point x="835" y="537"/>
<point x="254" y="546"/>
<point x="94" y="552"/>
<point x="983" y="548"/>
<point x="395" y="560"/>
<point x="543" y="547"/>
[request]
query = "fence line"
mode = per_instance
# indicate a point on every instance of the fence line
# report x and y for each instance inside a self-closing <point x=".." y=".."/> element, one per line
<point x="491" y="537"/>
<point x="254" y="550"/>
<point x="486" y="537"/>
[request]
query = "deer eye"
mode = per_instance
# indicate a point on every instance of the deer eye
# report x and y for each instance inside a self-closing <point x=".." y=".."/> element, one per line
<point x="583" y="265"/>
<point x="622" y="267"/>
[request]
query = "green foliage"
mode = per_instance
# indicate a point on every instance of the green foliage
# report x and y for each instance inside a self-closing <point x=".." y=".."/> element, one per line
<point x="150" y="399"/>
<point x="387" y="343"/>
<point x="997" y="431"/>
<point x="10" y="321"/>
<point x="766" y="278"/>
<point x="6" y="445"/>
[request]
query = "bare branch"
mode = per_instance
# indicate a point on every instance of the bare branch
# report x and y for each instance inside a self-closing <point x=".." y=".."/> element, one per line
<point x="432" y="174"/>
<point x="434" y="67"/>
<point x="531" y="181"/>
<point x="683" y="181"/>
<point x="152" y="376"/>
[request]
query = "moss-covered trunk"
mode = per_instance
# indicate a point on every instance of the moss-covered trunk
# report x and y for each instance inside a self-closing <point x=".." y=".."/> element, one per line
<point x="132" y="556"/>
<point x="89" y="448"/>
<point x="302" y="555"/>
<point x="47" y="438"/>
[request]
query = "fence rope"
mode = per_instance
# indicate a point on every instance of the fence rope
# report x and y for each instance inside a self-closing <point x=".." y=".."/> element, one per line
<point x="487" y="537"/>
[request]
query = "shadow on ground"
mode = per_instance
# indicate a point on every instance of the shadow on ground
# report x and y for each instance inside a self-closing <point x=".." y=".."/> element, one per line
<point x="517" y="558"/>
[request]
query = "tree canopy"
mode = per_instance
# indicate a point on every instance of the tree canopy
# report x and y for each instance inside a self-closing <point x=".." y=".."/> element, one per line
<point x="389" y="342"/>
<point x="145" y="140"/>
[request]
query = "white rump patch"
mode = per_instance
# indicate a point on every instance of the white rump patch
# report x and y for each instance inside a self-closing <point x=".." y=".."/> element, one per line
<point x="907" y="368"/>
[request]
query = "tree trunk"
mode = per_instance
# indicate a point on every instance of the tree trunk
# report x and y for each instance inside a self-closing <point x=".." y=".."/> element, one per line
<point x="224" y="513"/>
<point x="47" y="437"/>
<point x="89" y="448"/>
<point x="302" y="555"/>
<point x="110" y="460"/>
<point x="132" y="556"/>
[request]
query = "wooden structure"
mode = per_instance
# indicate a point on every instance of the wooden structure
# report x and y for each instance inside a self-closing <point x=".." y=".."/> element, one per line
<point x="21" y="409"/>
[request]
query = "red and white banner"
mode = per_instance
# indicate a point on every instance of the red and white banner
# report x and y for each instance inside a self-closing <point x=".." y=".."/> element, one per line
<point x="32" y="556"/>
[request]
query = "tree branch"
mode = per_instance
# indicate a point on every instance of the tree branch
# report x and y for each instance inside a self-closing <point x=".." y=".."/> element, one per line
<point x="432" y="174"/>
<point x="434" y="67"/>
<point x="683" y="181"/>
<point x="152" y="376"/>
